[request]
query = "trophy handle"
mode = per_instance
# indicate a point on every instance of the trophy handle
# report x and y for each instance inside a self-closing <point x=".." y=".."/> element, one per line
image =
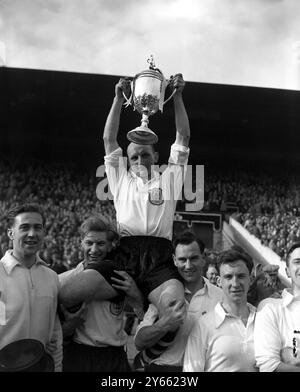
<point x="168" y="99"/>
<point x="128" y="101"/>
<point x="167" y="82"/>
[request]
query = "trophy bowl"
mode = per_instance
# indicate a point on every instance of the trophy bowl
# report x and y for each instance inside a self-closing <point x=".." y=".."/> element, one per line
<point x="147" y="97"/>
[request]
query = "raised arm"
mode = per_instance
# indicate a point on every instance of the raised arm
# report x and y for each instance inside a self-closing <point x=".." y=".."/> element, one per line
<point x="181" y="117"/>
<point x="113" y="119"/>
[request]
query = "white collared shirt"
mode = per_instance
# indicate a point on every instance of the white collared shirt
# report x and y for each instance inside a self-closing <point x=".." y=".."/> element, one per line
<point x="220" y="342"/>
<point x="146" y="208"/>
<point x="28" y="304"/>
<point x="104" y="323"/>
<point x="201" y="302"/>
<point x="276" y="321"/>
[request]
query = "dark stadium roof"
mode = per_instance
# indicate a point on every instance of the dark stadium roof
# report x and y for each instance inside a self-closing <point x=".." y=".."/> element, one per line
<point x="60" y="116"/>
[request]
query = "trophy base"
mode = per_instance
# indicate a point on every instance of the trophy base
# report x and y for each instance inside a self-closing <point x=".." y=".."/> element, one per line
<point x="142" y="135"/>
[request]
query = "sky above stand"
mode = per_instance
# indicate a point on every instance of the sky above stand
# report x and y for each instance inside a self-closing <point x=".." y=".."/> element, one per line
<point x="240" y="42"/>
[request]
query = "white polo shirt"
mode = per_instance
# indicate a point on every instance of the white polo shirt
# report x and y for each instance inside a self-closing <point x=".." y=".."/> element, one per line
<point x="202" y="302"/>
<point x="220" y="342"/>
<point x="104" y="324"/>
<point x="28" y="305"/>
<point x="276" y="321"/>
<point x="146" y="208"/>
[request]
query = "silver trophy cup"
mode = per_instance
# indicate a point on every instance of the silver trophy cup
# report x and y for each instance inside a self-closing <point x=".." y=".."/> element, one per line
<point x="147" y="97"/>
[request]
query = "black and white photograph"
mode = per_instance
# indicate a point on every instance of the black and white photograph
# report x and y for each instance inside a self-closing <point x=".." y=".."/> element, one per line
<point x="149" y="189"/>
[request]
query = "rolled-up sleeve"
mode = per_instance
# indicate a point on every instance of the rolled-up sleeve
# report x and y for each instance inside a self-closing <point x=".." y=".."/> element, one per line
<point x="115" y="168"/>
<point x="179" y="154"/>
<point x="267" y="340"/>
<point x="173" y="177"/>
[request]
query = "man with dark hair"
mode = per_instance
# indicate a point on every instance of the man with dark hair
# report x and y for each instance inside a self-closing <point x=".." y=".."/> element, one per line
<point x="277" y="328"/>
<point x="98" y="343"/>
<point x="28" y="287"/>
<point x="23" y="208"/>
<point x="222" y="340"/>
<point x="152" y="333"/>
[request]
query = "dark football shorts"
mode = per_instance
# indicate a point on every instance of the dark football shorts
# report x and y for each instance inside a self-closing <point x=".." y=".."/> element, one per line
<point x="147" y="259"/>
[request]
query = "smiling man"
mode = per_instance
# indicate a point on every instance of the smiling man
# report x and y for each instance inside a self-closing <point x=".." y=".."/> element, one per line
<point x="98" y="343"/>
<point x="200" y="296"/>
<point x="28" y="287"/>
<point x="145" y="201"/>
<point x="277" y="328"/>
<point x="222" y="340"/>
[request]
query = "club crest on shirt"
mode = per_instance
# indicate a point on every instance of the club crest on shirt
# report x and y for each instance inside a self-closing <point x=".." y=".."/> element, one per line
<point x="156" y="196"/>
<point x="116" y="308"/>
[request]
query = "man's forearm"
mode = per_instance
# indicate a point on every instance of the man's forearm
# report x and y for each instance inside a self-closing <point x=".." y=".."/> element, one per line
<point x="285" y="367"/>
<point x="112" y="123"/>
<point x="57" y="350"/>
<point x="148" y="336"/>
<point x="181" y="121"/>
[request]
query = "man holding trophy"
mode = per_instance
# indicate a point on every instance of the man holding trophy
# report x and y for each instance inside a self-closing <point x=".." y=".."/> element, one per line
<point x="145" y="200"/>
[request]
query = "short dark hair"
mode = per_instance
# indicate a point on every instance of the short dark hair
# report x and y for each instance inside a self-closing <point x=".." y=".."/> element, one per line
<point x="233" y="254"/>
<point x="290" y="250"/>
<point x="99" y="223"/>
<point x="187" y="238"/>
<point x="21" y="209"/>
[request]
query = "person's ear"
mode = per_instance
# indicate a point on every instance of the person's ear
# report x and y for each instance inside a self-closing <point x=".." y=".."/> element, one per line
<point x="10" y="234"/>
<point x="114" y="243"/>
<point x="287" y="272"/>
<point x="219" y="282"/>
<point x="174" y="260"/>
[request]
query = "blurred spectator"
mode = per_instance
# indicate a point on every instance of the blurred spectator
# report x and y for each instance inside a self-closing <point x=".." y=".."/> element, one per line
<point x="265" y="285"/>
<point x="211" y="272"/>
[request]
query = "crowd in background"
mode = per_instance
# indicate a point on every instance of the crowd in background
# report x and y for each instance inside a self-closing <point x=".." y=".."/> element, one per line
<point x="67" y="197"/>
<point x="267" y="207"/>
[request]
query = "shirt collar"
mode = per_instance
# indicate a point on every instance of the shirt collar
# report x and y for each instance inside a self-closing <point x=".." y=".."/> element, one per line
<point x="210" y="288"/>
<point x="207" y="289"/>
<point x="10" y="262"/>
<point x="201" y="291"/>
<point x="287" y="297"/>
<point x="221" y="314"/>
